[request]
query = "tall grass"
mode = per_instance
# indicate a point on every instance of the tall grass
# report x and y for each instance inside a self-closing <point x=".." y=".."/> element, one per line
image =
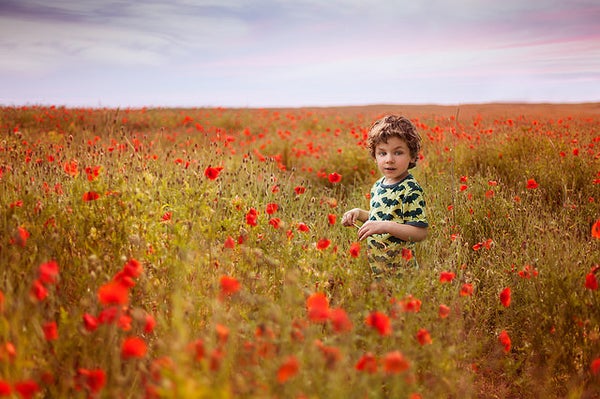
<point x="511" y="204"/>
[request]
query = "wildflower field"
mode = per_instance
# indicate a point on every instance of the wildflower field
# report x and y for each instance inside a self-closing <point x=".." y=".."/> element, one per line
<point x="198" y="253"/>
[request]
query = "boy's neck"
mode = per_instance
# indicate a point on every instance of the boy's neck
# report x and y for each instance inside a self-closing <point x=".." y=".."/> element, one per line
<point x="398" y="180"/>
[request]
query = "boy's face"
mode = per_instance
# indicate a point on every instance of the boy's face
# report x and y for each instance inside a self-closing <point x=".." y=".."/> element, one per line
<point x="393" y="159"/>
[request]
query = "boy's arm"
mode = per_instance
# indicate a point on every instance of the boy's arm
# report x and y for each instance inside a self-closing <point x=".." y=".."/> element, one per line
<point x="402" y="231"/>
<point x="349" y="218"/>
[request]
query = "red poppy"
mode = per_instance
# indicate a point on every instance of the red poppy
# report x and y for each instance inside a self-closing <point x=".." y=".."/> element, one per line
<point x="505" y="297"/>
<point x="133" y="347"/>
<point x="409" y="304"/>
<point x="331" y="354"/>
<point x="299" y="190"/>
<point x="355" y="249"/>
<point x="92" y="172"/>
<point x="149" y="323"/>
<point x="298" y="327"/>
<point x="16" y="204"/>
<point x="331" y="218"/>
<point x="47" y="378"/>
<point x="212" y="172"/>
<point x="335" y="178"/>
<point x="532" y="184"/>
<point x="288" y="369"/>
<point x="20" y="237"/>
<point x="113" y="293"/>
<point x="222" y="334"/>
<point x="1" y="302"/>
<point x="27" y="389"/>
<point x="367" y="363"/>
<point x="444" y="311"/>
<point x="339" y="320"/>
<point x="463" y="187"/>
<point x="133" y="268"/>
<point x="466" y="289"/>
<point x="303" y="227"/>
<point x="8" y="350"/>
<point x="275" y="222"/>
<point x="71" y="169"/>
<point x="379" y="321"/>
<point x="108" y="315"/>
<point x="51" y="222"/>
<point x="124" y="322"/>
<point x="527" y="272"/>
<point x="229" y="285"/>
<point x="50" y="331"/>
<point x="197" y="347"/>
<point x="447" y="277"/>
<point x="216" y="357"/>
<point x="595" y="366"/>
<point x="395" y="363"/>
<point x="229" y="242"/>
<point x="271" y="208"/>
<point x="317" y="306"/>
<point x="94" y="380"/>
<point x="38" y="291"/>
<point x="504" y="340"/>
<point x="166" y="216"/>
<point x="252" y="217"/>
<point x="5" y="389"/>
<point x="90" y="196"/>
<point x="423" y="337"/>
<point x="90" y="322"/>
<point x="591" y="282"/>
<point x="122" y="278"/>
<point x="407" y="254"/>
<point x="48" y="272"/>
<point x="596" y="229"/>
<point x="323" y="243"/>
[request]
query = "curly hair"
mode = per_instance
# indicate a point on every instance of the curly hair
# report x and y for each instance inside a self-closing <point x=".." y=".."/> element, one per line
<point x="395" y="126"/>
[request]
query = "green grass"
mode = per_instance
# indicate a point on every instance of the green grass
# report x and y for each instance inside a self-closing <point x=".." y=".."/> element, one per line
<point x="157" y="206"/>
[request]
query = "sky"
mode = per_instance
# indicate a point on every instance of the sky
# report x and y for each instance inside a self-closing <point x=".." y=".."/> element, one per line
<point x="277" y="53"/>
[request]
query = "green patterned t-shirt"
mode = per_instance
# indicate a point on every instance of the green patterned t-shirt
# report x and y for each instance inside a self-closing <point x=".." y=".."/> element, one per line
<point x="404" y="203"/>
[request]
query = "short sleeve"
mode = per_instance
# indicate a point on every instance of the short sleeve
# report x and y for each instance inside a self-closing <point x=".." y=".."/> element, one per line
<point x="414" y="207"/>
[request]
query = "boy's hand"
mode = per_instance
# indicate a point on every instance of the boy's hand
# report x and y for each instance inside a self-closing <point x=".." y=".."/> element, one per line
<point x="369" y="228"/>
<point x="351" y="217"/>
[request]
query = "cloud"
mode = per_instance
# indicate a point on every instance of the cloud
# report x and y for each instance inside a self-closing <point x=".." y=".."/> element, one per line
<point x="39" y="37"/>
<point x="43" y="45"/>
<point x="269" y="50"/>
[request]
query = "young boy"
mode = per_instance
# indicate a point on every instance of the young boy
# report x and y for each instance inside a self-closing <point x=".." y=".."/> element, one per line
<point x="397" y="218"/>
